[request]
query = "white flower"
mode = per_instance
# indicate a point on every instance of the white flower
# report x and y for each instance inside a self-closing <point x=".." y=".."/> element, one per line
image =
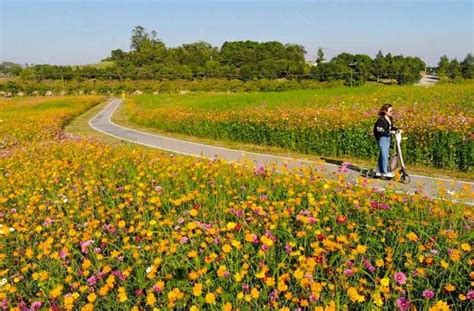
<point x="3" y="282"/>
<point x="12" y="229"/>
<point x="148" y="270"/>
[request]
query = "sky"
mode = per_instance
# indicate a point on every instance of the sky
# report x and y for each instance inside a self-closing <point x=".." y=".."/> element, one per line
<point x="84" y="32"/>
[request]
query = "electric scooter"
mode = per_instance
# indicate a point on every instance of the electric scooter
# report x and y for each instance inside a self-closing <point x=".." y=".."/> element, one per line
<point x="395" y="162"/>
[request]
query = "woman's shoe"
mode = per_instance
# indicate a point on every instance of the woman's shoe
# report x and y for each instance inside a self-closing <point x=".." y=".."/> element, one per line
<point x="389" y="175"/>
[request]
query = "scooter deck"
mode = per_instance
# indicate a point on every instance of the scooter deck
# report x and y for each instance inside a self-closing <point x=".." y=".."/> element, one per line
<point x="372" y="174"/>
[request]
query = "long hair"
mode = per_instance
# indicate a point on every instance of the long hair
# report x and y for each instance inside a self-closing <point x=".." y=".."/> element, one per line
<point x="384" y="109"/>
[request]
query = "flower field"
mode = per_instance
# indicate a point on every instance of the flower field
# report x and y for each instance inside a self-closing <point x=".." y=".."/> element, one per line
<point x="437" y="121"/>
<point x="86" y="225"/>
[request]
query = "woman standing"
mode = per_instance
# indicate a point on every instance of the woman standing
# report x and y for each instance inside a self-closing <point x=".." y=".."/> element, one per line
<point x="383" y="128"/>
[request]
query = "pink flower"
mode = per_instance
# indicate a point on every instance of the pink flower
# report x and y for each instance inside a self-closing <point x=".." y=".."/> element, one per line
<point x="85" y="245"/>
<point x="157" y="289"/>
<point x="119" y="274"/>
<point x="260" y="170"/>
<point x="470" y="295"/>
<point x="348" y="272"/>
<point x="403" y="304"/>
<point x="92" y="280"/>
<point x="62" y="254"/>
<point x="400" y="278"/>
<point x="368" y="265"/>
<point x="428" y="294"/>
<point x="36" y="305"/>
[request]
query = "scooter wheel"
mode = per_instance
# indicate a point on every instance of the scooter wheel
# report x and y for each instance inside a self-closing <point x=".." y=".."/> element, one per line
<point x="405" y="179"/>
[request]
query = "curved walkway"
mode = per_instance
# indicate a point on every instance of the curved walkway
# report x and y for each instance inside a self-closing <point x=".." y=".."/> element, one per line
<point x="429" y="186"/>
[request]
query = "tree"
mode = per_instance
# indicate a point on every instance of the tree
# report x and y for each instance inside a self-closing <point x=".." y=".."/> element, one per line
<point x="443" y="65"/>
<point x="379" y="66"/>
<point x="139" y="36"/>
<point x="320" y="56"/>
<point x="454" y="69"/>
<point x="467" y="67"/>
<point x="10" y="69"/>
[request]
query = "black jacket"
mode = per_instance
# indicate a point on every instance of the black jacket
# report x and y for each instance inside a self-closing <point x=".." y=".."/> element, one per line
<point x="382" y="127"/>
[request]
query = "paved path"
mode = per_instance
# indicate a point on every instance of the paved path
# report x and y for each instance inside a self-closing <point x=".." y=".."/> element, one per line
<point x="426" y="185"/>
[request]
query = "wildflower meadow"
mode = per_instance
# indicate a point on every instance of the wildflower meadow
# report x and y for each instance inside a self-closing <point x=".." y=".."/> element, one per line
<point x="87" y="225"/>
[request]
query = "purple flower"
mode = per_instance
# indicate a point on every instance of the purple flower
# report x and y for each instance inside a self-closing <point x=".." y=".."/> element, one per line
<point x="288" y="248"/>
<point x="403" y="304"/>
<point x="400" y="278"/>
<point x="428" y="294"/>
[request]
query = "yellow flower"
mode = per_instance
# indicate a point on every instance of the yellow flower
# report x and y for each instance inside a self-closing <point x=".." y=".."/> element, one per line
<point x="227" y="248"/>
<point x="197" y="289"/>
<point x="379" y="263"/>
<point x="444" y="264"/>
<point x="361" y="249"/>
<point x="227" y="307"/>
<point x="354" y="295"/>
<point x="450" y="287"/>
<point x="210" y="298"/>
<point x="298" y="274"/>
<point x="193" y="308"/>
<point x="193" y="275"/>
<point x="91" y="297"/>
<point x="412" y="236"/>
<point x="231" y="225"/>
<point x="150" y="299"/>
<point x="192" y="254"/>
<point x="122" y="294"/>
<point x="266" y="241"/>
<point x="88" y="307"/>
<point x="56" y="292"/>
<point x="385" y="282"/>
<point x="255" y="293"/>
<point x="440" y="306"/>
<point x="455" y="255"/>
<point x="466" y="247"/>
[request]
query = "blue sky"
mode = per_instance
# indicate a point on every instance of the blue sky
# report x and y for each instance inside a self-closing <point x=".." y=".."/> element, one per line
<point x="83" y="32"/>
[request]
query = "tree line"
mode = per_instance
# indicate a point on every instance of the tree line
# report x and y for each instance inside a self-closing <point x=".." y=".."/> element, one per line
<point x="150" y="59"/>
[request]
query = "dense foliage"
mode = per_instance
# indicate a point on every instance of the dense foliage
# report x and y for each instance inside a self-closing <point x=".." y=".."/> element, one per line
<point x="116" y="87"/>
